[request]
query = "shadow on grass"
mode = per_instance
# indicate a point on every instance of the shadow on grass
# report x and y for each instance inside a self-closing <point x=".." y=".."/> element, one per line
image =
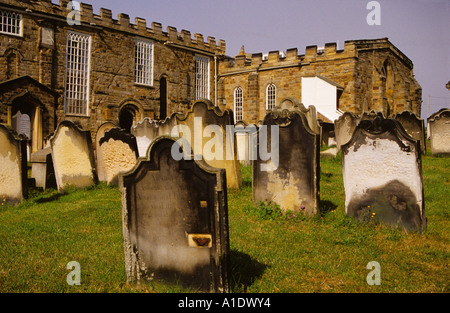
<point x="244" y="271"/>
<point x="326" y="206"/>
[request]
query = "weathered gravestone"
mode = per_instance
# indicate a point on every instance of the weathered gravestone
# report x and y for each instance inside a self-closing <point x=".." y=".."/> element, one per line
<point x="175" y="220"/>
<point x="119" y="153"/>
<point x="439" y="124"/>
<point x="290" y="177"/>
<point x="382" y="173"/>
<point x="73" y="158"/>
<point x="344" y="127"/>
<point x="13" y="166"/>
<point x="414" y="126"/>
<point x="42" y="168"/>
<point x="102" y="129"/>
<point x="207" y="130"/>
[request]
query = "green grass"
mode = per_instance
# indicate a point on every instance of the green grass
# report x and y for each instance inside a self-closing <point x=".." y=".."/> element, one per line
<point x="269" y="253"/>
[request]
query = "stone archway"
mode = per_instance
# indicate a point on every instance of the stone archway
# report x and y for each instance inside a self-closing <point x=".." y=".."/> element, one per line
<point x="129" y="115"/>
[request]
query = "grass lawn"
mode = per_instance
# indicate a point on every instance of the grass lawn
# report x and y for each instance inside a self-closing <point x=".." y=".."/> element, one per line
<point x="269" y="253"/>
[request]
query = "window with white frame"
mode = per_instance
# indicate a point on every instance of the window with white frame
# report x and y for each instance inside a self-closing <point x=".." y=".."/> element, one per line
<point x="201" y="77"/>
<point x="77" y="73"/>
<point x="238" y="105"/>
<point x="10" y="23"/>
<point x="143" y="62"/>
<point x="271" y="95"/>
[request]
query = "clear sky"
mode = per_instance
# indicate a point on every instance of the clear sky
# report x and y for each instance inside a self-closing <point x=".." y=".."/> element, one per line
<point x="419" y="28"/>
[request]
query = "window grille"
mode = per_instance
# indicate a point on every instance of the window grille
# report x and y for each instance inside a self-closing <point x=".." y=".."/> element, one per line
<point x="10" y="23"/>
<point x="238" y="105"/>
<point x="201" y="77"/>
<point x="77" y="73"/>
<point x="143" y="60"/>
<point x="271" y="96"/>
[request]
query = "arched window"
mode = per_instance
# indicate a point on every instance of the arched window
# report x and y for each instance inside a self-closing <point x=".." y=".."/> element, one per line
<point x="271" y="96"/>
<point x="238" y="105"/>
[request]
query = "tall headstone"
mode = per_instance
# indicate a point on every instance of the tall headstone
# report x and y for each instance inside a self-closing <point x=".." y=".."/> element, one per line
<point x="439" y="124"/>
<point x="290" y="177"/>
<point x="73" y="157"/>
<point x="344" y="127"/>
<point x="382" y="172"/>
<point x="119" y="153"/>
<point x="175" y="220"/>
<point x="13" y="166"/>
<point x="206" y="128"/>
<point x="414" y="126"/>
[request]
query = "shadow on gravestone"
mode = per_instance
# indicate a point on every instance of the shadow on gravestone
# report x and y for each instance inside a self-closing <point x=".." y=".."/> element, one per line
<point x="13" y="166"/>
<point x="119" y="153"/>
<point x="102" y="129"/>
<point x="292" y="183"/>
<point x="175" y="220"/>
<point x="382" y="173"/>
<point x="414" y="126"/>
<point x="73" y="157"/>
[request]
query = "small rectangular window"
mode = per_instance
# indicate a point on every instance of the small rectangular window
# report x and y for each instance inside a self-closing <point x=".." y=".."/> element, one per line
<point x="77" y="73"/>
<point x="201" y="77"/>
<point x="143" y="60"/>
<point x="11" y="23"/>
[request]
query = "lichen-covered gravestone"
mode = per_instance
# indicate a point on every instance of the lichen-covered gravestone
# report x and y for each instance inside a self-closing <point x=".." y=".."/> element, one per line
<point x="119" y="153"/>
<point x="344" y="127"/>
<point x="175" y="220"/>
<point x="289" y="175"/>
<point x="440" y="132"/>
<point x="13" y="166"/>
<point x="382" y="173"/>
<point x="73" y="157"/>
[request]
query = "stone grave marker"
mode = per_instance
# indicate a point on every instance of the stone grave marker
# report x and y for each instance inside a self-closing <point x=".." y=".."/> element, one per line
<point x="344" y="127"/>
<point x="244" y="135"/>
<point x="382" y="173"/>
<point x="42" y="168"/>
<point x="13" y="166"/>
<point x="290" y="177"/>
<point x="439" y="124"/>
<point x="414" y="126"/>
<point x="73" y="158"/>
<point x="102" y="129"/>
<point x="119" y="153"/>
<point x="175" y="220"/>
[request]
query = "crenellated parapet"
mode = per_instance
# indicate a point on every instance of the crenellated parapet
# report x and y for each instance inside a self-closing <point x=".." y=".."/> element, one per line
<point x="104" y="19"/>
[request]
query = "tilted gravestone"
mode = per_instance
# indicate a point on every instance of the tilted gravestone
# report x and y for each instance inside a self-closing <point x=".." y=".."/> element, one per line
<point x="439" y="124"/>
<point x="290" y="177"/>
<point x="175" y="220"/>
<point x="382" y="173"/>
<point x="102" y="129"/>
<point x="13" y="166"/>
<point x="414" y="126"/>
<point x="119" y="153"/>
<point x="73" y="157"/>
<point x="42" y="168"/>
<point x="344" y="127"/>
<point x="207" y="130"/>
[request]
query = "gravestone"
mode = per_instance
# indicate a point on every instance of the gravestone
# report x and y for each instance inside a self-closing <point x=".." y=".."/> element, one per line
<point x="72" y="155"/>
<point x="207" y="130"/>
<point x="439" y="124"/>
<point x="102" y="129"/>
<point x="290" y="178"/>
<point x="175" y="220"/>
<point x="42" y="168"/>
<point x="382" y="173"/>
<point x="13" y="166"/>
<point x="344" y="127"/>
<point x="414" y="126"/>
<point x="119" y="153"/>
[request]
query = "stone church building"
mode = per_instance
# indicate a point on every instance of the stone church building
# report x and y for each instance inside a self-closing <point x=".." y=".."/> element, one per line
<point x="57" y="63"/>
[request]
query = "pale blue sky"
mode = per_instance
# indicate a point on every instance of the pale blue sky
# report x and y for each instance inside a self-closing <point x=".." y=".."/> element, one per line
<point x="419" y="28"/>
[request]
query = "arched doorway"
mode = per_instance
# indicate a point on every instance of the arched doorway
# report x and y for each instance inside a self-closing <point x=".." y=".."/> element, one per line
<point x="126" y="119"/>
<point x="163" y="98"/>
